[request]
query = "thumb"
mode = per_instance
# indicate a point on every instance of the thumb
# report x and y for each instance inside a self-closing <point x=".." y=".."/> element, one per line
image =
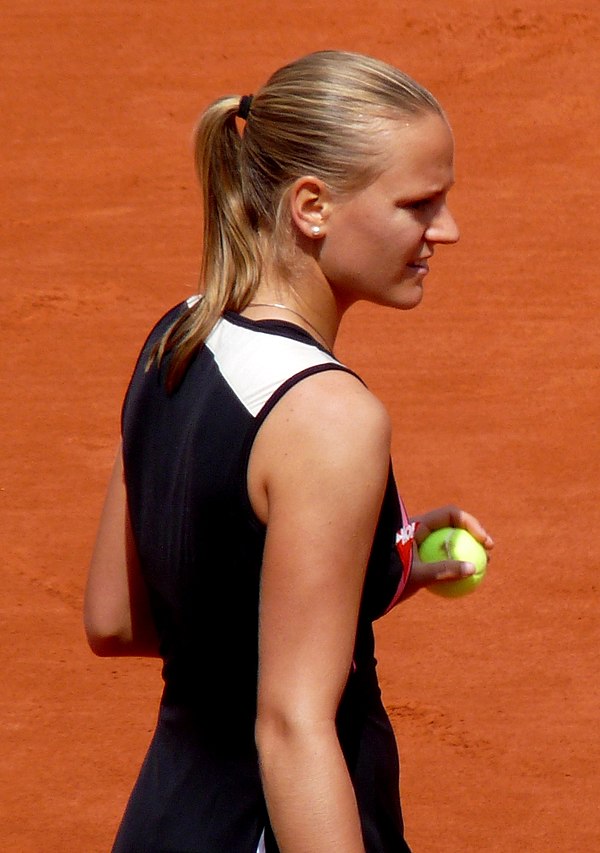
<point x="424" y="574"/>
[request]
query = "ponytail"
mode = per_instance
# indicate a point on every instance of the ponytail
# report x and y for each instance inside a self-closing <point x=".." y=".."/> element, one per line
<point x="231" y="261"/>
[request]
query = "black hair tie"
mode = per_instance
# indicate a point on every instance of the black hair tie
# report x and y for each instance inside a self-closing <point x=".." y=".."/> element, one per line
<point x="244" y="107"/>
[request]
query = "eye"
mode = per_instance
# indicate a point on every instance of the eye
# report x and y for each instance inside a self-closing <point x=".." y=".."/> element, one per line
<point x="419" y="204"/>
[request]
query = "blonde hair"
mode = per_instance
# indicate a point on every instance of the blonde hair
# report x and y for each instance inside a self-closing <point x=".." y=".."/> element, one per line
<point x="316" y="116"/>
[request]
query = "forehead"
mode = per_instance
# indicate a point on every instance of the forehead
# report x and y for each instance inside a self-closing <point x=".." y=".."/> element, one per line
<point x="418" y="149"/>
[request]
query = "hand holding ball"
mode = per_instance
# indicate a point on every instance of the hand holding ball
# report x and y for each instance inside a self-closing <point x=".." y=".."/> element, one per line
<point x="452" y="543"/>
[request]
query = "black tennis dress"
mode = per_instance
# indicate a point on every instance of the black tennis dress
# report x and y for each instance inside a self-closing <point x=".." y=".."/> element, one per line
<point x="200" y="547"/>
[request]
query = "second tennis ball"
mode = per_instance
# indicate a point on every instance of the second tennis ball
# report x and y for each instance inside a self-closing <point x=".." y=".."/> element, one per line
<point x="452" y="543"/>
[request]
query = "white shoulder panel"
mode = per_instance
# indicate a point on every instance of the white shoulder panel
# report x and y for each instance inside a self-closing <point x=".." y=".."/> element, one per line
<point x="255" y="364"/>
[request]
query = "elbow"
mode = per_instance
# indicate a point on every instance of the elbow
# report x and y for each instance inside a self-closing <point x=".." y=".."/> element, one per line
<point x="109" y="635"/>
<point x="104" y="637"/>
<point x="101" y="649"/>
<point x="280" y="733"/>
<point x="271" y="728"/>
<point x="103" y="644"/>
<point x="272" y="738"/>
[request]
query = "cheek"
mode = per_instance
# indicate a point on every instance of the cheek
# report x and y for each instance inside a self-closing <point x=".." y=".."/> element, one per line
<point x="408" y="237"/>
<point x="393" y="232"/>
<point x="370" y="243"/>
<point x="346" y="246"/>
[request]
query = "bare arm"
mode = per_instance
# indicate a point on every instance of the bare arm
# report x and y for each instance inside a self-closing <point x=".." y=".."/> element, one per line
<point x="317" y="476"/>
<point x="117" y="614"/>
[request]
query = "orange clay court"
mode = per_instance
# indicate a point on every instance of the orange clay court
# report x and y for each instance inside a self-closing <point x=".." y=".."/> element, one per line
<point x="493" y="386"/>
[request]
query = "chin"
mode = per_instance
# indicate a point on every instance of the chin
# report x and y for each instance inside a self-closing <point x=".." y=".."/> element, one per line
<point x="406" y="301"/>
<point x="402" y="298"/>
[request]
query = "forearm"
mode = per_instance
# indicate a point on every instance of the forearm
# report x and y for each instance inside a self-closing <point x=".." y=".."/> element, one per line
<point x="117" y="614"/>
<point x="309" y="794"/>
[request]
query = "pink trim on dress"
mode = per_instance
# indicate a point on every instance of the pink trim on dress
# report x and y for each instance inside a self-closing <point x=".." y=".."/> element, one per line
<point x="404" y="546"/>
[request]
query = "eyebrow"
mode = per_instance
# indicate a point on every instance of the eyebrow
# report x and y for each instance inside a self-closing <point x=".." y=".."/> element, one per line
<point x="446" y="188"/>
<point x="434" y="192"/>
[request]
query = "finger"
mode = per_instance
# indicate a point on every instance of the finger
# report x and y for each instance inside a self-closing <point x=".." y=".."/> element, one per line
<point x="424" y="574"/>
<point x="452" y="516"/>
<point x="473" y="525"/>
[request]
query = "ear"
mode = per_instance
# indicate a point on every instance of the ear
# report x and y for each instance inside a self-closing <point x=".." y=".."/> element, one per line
<point x="310" y="205"/>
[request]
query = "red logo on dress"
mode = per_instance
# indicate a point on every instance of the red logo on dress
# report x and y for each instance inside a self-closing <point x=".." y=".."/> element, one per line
<point x="404" y="542"/>
<point x="405" y="538"/>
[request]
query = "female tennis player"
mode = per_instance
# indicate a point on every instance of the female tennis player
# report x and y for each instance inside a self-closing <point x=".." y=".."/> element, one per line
<point x="252" y="530"/>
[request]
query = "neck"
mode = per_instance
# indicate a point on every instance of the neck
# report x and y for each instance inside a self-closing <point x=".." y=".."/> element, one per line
<point x="299" y="289"/>
<point x="279" y="306"/>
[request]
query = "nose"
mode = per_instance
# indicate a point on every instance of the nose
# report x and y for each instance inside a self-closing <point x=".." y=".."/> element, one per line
<point x="443" y="227"/>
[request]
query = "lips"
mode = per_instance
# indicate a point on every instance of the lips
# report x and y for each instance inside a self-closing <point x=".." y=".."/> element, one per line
<point x="421" y="266"/>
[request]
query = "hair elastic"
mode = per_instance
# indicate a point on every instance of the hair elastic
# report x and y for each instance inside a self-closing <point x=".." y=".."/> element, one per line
<point x="244" y="107"/>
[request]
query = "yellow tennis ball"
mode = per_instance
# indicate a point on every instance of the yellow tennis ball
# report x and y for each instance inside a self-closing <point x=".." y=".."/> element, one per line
<point x="453" y="543"/>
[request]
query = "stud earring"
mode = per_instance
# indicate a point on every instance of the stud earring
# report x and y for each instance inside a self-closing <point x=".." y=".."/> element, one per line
<point x="315" y="230"/>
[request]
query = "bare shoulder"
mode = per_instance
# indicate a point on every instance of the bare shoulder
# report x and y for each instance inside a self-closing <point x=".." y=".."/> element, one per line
<point x="337" y="397"/>
<point x="330" y="431"/>
<point x="336" y="411"/>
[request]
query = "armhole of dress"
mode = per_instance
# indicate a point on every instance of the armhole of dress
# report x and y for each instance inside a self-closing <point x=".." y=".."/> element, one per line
<point x="291" y="382"/>
<point x="261" y="418"/>
<point x="155" y="333"/>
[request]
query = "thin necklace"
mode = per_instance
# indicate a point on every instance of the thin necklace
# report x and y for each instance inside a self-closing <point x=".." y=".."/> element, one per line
<point x="291" y="311"/>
